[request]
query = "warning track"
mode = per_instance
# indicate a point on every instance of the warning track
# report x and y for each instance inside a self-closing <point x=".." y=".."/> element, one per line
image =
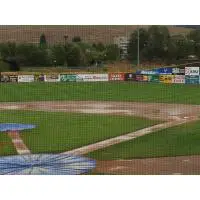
<point x="172" y="114"/>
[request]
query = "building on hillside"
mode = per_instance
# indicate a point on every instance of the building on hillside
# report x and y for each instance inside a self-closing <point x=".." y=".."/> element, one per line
<point x="122" y="43"/>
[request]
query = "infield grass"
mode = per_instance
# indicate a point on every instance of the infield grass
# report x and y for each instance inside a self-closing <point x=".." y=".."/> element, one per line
<point x="105" y="91"/>
<point x="58" y="132"/>
<point x="175" y="141"/>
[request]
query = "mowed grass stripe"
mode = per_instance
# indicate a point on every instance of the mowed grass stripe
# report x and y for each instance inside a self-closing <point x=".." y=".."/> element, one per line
<point x="105" y="91"/>
<point x="59" y="132"/>
<point x="175" y="141"/>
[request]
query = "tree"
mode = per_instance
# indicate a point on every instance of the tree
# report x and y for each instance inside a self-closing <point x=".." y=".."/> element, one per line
<point x="133" y="44"/>
<point x="31" y="55"/>
<point x="59" y="54"/>
<point x="112" y="52"/>
<point x="158" y="41"/>
<point x="76" y="39"/>
<point x="99" y="46"/>
<point x="74" y="55"/>
<point x="43" y="42"/>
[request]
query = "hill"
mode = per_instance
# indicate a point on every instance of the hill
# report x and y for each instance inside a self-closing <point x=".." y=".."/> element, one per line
<point x="55" y="33"/>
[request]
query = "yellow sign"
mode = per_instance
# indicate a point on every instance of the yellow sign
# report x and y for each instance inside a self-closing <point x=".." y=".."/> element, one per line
<point x="166" y="78"/>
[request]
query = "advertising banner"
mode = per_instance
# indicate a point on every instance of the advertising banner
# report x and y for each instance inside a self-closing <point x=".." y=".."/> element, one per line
<point x="147" y="72"/>
<point x="116" y="76"/>
<point x="4" y="78"/>
<point x="192" y="71"/>
<point x="166" y="78"/>
<point x="153" y="78"/>
<point x="91" y="77"/>
<point x="179" y="79"/>
<point x="139" y="78"/>
<point x="191" y="79"/>
<point x="145" y="78"/>
<point x="129" y="77"/>
<point x="13" y="78"/>
<point x="39" y="77"/>
<point x="52" y="78"/>
<point x="26" y="78"/>
<point x="164" y="70"/>
<point x="178" y="71"/>
<point x="68" y="77"/>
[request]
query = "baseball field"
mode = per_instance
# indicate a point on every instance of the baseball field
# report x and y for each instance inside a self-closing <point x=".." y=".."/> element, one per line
<point x="127" y="127"/>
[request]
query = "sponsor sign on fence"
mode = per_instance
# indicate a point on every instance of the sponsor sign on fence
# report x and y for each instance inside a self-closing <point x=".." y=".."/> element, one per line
<point x="147" y="72"/>
<point x="52" y="78"/>
<point x="179" y="79"/>
<point x="153" y="78"/>
<point x="68" y="77"/>
<point x="141" y="78"/>
<point x="4" y="78"/>
<point x="39" y="77"/>
<point x="178" y="71"/>
<point x="91" y="77"/>
<point x="129" y="77"/>
<point x="191" y="79"/>
<point x="164" y="70"/>
<point x="26" y="78"/>
<point x="166" y="78"/>
<point x="13" y="78"/>
<point x="192" y="71"/>
<point x="116" y="76"/>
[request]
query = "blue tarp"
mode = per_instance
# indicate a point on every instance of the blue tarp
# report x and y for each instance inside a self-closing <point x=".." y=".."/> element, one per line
<point x="15" y="127"/>
<point x="45" y="164"/>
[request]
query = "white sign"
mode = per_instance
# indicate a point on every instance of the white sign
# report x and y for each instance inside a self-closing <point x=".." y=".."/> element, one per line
<point x="91" y="77"/>
<point x="179" y="79"/>
<point x="25" y="78"/>
<point x="192" y="71"/>
<point x="52" y="78"/>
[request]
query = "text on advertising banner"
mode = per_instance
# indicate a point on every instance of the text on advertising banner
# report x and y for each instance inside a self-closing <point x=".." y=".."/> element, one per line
<point x="153" y="78"/>
<point x="164" y="70"/>
<point x="191" y="79"/>
<point x="166" y="78"/>
<point x="91" y="77"/>
<point x="178" y="71"/>
<point x="26" y="78"/>
<point x="68" y="77"/>
<point x="192" y="71"/>
<point x="52" y="78"/>
<point x="179" y="79"/>
<point x="116" y="76"/>
<point x="13" y="78"/>
<point x="129" y="77"/>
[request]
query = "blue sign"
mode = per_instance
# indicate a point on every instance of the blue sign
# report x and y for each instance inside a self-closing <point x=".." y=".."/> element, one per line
<point x="164" y="70"/>
<point x="147" y="72"/>
<point x="191" y="79"/>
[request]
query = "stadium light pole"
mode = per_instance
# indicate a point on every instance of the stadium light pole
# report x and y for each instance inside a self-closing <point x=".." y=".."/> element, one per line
<point x="138" y="49"/>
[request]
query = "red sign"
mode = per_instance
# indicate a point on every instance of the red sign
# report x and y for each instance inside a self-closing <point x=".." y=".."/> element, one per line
<point x="116" y="77"/>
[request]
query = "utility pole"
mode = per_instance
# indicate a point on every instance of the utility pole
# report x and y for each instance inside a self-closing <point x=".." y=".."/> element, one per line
<point x="138" y="49"/>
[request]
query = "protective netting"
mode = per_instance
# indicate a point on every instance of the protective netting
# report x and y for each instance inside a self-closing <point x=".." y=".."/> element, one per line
<point x="45" y="164"/>
<point x="15" y="127"/>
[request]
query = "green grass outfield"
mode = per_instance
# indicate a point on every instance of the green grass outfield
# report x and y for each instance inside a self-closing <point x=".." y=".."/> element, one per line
<point x="175" y="141"/>
<point x="108" y="91"/>
<point x="58" y="132"/>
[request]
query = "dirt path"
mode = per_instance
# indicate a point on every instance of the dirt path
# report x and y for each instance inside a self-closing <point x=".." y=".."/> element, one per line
<point x="187" y="165"/>
<point x="172" y="114"/>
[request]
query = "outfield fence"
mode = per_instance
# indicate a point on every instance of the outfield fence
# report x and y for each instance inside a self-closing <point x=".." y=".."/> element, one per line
<point x="176" y="75"/>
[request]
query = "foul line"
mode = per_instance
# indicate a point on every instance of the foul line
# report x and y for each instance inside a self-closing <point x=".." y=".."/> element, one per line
<point x="130" y="136"/>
